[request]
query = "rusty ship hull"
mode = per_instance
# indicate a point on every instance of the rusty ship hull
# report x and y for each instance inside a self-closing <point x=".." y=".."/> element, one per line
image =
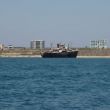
<point x="71" y="54"/>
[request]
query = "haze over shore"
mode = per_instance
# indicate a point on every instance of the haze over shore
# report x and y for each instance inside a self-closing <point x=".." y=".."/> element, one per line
<point x="69" y="21"/>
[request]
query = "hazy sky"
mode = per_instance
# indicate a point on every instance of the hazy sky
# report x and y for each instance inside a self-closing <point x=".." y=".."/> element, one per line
<point x="71" y="21"/>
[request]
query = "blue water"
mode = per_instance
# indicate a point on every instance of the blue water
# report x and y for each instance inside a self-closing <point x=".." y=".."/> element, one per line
<point x="54" y="84"/>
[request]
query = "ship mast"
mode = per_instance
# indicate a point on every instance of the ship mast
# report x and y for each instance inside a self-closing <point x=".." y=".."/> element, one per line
<point x="51" y="45"/>
<point x="68" y="46"/>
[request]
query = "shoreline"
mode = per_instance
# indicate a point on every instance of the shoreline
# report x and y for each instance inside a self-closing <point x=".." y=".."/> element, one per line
<point x="39" y="56"/>
<point x="20" y="56"/>
<point x="93" y="56"/>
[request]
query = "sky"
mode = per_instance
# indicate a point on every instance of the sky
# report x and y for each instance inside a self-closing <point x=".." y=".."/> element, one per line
<point x="67" y="21"/>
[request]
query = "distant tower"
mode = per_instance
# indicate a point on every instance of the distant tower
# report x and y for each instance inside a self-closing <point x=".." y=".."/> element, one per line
<point x="37" y="44"/>
<point x="1" y="46"/>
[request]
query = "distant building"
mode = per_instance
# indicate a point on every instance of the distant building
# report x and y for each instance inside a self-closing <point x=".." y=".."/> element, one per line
<point x="37" y="44"/>
<point x="1" y="46"/>
<point x="10" y="47"/>
<point x="98" y="44"/>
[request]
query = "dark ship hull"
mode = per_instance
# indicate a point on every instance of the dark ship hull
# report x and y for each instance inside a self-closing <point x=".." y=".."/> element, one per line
<point x="71" y="54"/>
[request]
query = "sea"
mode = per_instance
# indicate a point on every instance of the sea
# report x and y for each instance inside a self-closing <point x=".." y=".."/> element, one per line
<point x="54" y="84"/>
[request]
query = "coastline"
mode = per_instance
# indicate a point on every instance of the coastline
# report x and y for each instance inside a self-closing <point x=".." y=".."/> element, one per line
<point x="83" y="53"/>
<point x="93" y="56"/>
<point x="39" y="56"/>
<point x="20" y="56"/>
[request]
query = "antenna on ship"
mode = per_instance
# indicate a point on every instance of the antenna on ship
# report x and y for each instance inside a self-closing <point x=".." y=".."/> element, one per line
<point x="51" y="45"/>
<point x="68" y="46"/>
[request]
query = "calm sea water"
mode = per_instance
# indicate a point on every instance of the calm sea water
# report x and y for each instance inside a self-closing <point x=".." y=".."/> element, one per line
<point x="54" y="84"/>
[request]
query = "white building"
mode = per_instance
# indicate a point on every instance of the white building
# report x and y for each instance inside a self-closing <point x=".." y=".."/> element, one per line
<point x="10" y="47"/>
<point x="37" y="44"/>
<point x="98" y="44"/>
<point x="1" y="46"/>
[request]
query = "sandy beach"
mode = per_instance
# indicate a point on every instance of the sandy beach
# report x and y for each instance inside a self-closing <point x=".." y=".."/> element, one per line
<point x="20" y="56"/>
<point x="93" y="56"/>
<point x="39" y="56"/>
